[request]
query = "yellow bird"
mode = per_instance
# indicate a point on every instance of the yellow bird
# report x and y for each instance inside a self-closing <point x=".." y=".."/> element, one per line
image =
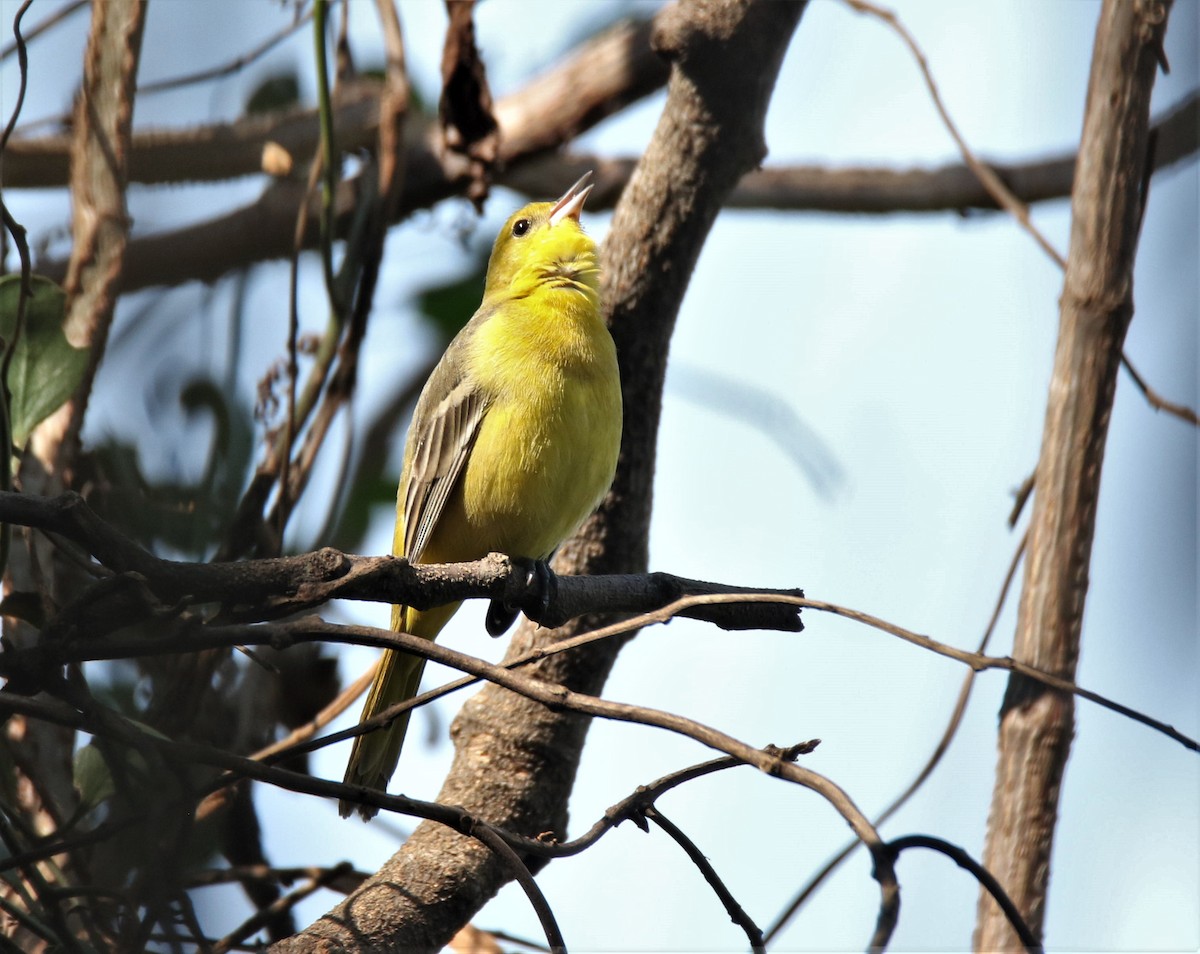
<point x="514" y="440"/>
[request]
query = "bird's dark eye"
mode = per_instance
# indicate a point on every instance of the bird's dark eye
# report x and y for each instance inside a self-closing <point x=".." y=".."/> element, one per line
<point x="520" y="227"/>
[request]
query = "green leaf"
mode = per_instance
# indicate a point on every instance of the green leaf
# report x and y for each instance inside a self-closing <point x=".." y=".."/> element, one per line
<point x="91" y="776"/>
<point x="273" y="94"/>
<point x="45" y="367"/>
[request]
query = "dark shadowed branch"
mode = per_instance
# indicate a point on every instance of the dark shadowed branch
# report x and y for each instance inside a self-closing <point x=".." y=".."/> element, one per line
<point x="986" y="879"/>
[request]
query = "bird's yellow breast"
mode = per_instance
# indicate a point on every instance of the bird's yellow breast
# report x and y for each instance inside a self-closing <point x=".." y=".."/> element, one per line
<point x="547" y="447"/>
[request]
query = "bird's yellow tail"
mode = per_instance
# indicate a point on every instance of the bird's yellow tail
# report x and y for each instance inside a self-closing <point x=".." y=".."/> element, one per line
<point x="374" y="755"/>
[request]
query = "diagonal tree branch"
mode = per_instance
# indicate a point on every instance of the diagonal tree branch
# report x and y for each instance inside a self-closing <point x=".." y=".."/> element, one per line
<point x="516" y="759"/>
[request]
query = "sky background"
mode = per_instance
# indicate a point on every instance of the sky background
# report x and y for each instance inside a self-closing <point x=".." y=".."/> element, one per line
<point x="909" y="357"/>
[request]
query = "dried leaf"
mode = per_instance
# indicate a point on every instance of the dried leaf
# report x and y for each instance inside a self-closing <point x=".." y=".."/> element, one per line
<point x="468" y="125"/>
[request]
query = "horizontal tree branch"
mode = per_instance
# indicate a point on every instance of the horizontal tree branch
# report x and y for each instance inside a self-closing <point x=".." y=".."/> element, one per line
<point x="603" y="76"/>
<point x="207" y="153"/>
<point x="255" y="590"/>
<point x="290" y="584"/>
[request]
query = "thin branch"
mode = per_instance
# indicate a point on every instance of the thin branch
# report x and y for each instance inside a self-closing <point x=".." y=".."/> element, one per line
<point x="52" y="20"/>
<point x="633" y="807"/>
<point x="262" y="918"/>
<point x="985" y="878"/>
<point x="291" y="744"/>
<point x="235" y="65"/>
<point x="342" y="877"/>
<point x="1157" y="401"/>
<point x="102" y="721"/>
<point x="1005" y="198"/>
<point x="978" y="661"/>
<point x="960" y="707"/>
<point x="521" y="874"/>
<point x="736" y="912"/>
<point x="992" y="182"/>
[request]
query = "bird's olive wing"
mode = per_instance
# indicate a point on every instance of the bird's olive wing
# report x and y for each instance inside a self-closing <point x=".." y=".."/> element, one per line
<point x="443" y="444"/>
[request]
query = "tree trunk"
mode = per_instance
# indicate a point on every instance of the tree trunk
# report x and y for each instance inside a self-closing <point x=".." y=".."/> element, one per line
<point x="515" y="760"/>
<point x="1036" y="724"/>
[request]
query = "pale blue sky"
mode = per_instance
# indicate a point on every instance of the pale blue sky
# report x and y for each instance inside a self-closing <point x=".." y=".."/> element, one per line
<point x="917" y="350"/>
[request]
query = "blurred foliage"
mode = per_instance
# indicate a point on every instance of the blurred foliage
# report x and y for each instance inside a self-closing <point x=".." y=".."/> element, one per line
<point x="449" y="305"/>
<point x="186" y="517"/>
<point x="276" y="93"/>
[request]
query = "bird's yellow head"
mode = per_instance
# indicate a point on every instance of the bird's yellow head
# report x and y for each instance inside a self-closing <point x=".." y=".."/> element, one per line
<point x="542" y="246"/>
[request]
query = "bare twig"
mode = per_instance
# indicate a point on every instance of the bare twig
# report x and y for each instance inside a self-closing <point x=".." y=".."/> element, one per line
<point x="521" y="874"/>
<point x="98" y="719"/>
<point x="979" y="661"/>
<point x="340" y="877"/>
<point x="737" y="914"/>
<point x="960" y="707"/>
<point x="985" y="878"/>
<point x="992" y="182"/>
<point x="235" y="65"/>
<point x="52" y="20"/>
<point x="261" y="918"/>
<point x="1005" y="198"/>
<point x="1157" y="401"/>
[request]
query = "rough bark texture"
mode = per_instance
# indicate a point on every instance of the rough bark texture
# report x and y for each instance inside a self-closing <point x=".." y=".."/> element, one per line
<point x="100" y="228"/>
<point x="515" y="760"/>
<point x="99" y="219"/>
<point x="1037" y="723"/>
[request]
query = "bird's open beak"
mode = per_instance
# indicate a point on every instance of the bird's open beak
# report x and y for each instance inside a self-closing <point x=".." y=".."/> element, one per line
<point x="571" y="204"/>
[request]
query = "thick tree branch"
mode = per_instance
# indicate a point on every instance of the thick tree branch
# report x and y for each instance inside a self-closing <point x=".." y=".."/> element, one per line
<point x="621" y="69"/>
<point x="1096" y="308"/>
<point x="207" y="250"/>
<point x="518" y="759"/>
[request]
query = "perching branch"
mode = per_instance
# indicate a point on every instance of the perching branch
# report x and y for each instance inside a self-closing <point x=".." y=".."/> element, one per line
<point x="253" y="590"/>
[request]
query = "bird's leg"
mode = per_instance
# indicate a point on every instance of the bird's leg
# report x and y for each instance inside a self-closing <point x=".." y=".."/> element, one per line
<point x="499" y="617"/>
<point x="541" y="586"/>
